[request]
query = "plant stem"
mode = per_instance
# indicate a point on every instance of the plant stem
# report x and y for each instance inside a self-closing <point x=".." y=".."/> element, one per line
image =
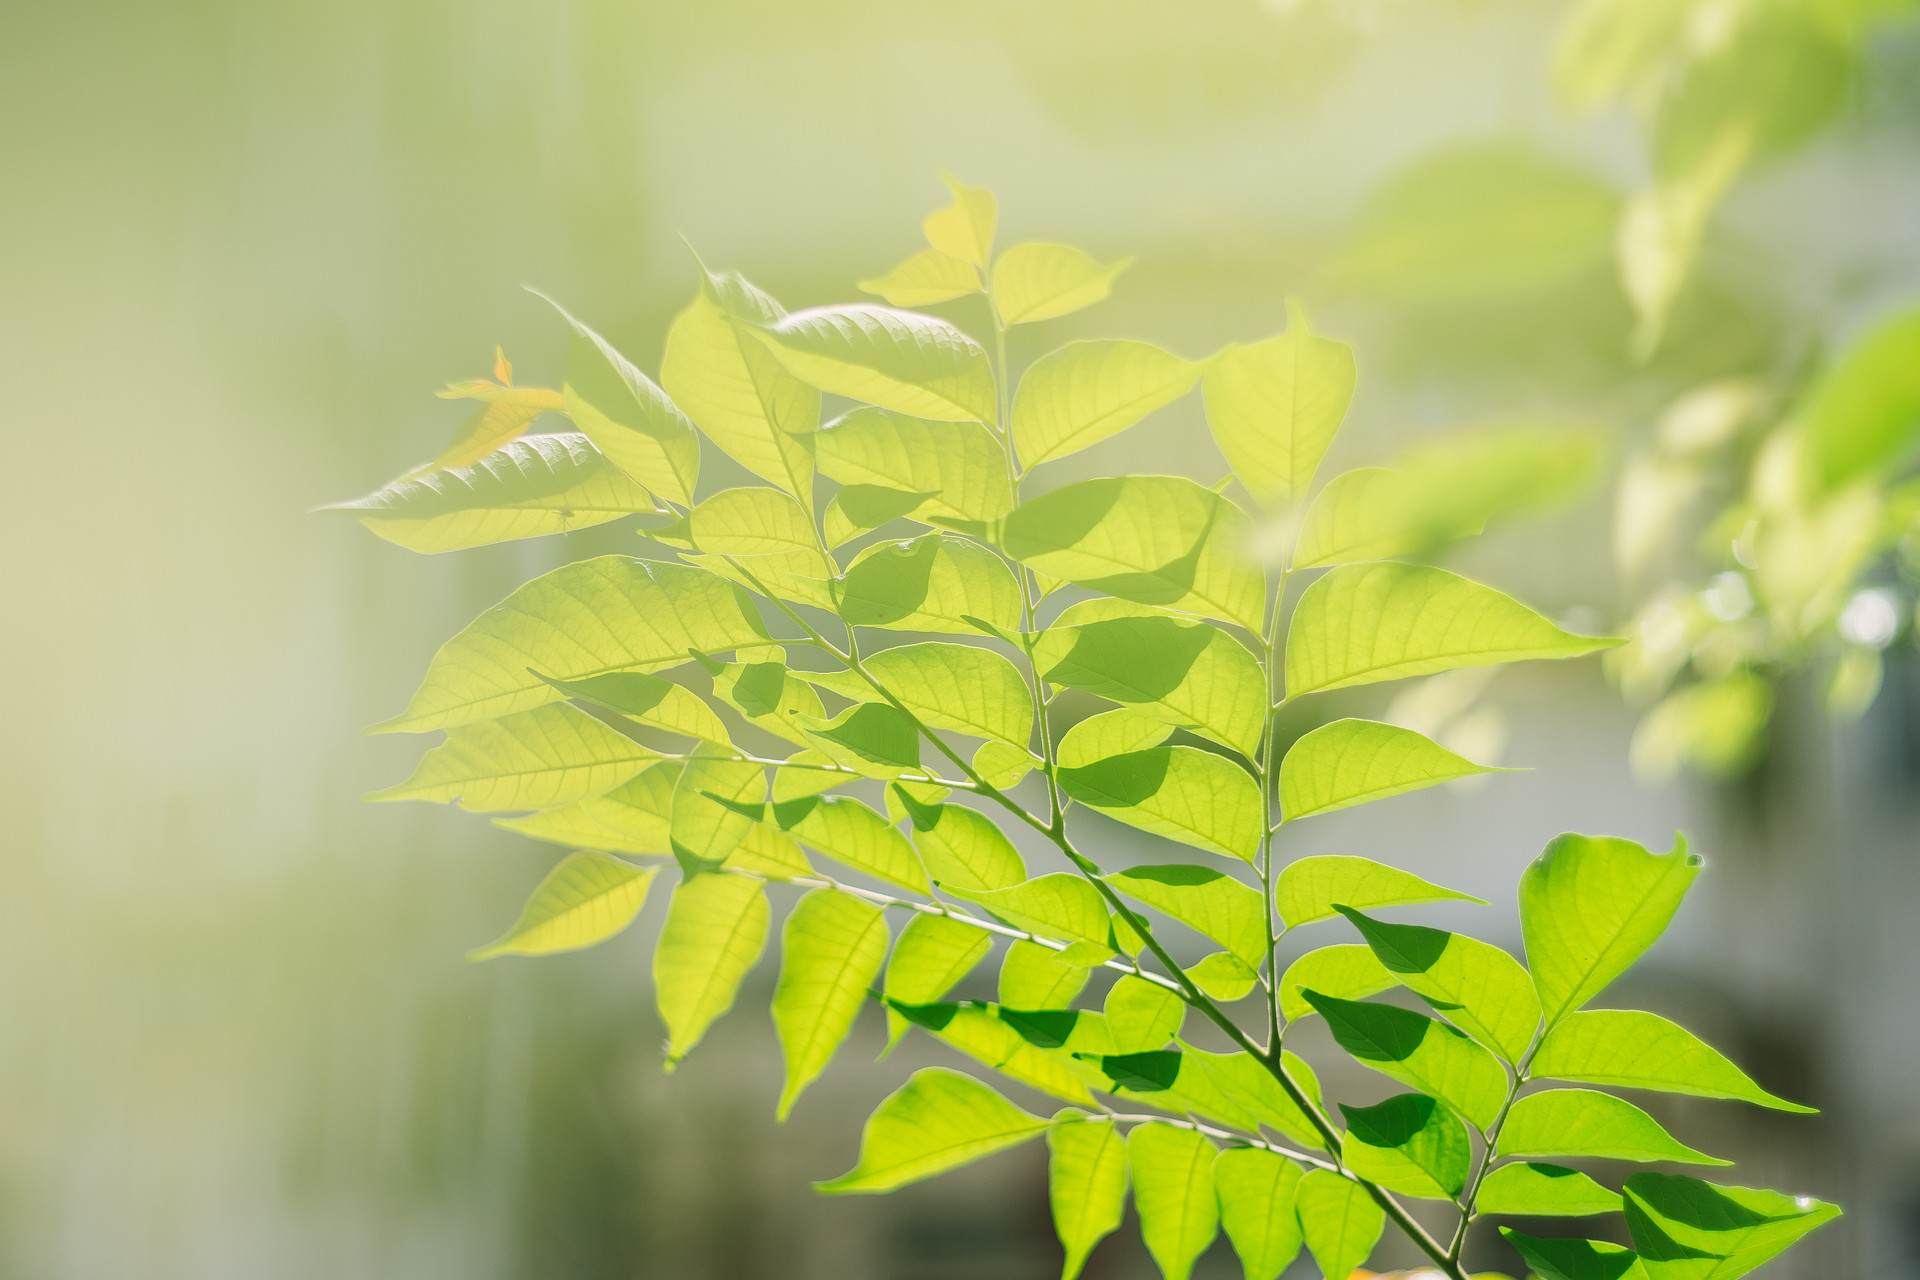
<point x="1516" y="1077"/>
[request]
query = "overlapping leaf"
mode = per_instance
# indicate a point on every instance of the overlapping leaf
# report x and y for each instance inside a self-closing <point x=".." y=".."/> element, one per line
<point x="1310" y="888"/>
<point x="832" y="947"/>
<point x="898" y="360"/>
<point x="952" y="469"/>
<point x="628" y="418"/>
<point x="1183" y="793"/>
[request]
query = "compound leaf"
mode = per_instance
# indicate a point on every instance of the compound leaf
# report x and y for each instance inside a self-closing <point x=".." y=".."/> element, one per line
<point x="752" y="522"/>
<point x="586" y="899"/>
<point x="1418" y="1051"/>
<point x="1086" y="1183"/>
<point x="938" y="1120"/>
<point x="1089" y="390"/>
<point x="628" y="418"/>
<point x="1353" y="762"/>
<point x="1686" y="1229"/>
<point x="535" y="759"/>
<point x="1348" y="970"/>
<point x="1583" y="1122"/>
<point x="1645" y="1051"/>
<point x="706" y="823"/>
<point x="1409" y="1143"/>
<point x="1339" y="1221"/>
<point x="1206" y="900"/>
<point x="1039" y="281"/>
<point x="898" y="360"/>
<point x="1533" y="1190"/>
<point x="652" y="701"/>
<point x="716" y="928"/>
<point x="1183" y="793"/>
<point x="1173" y="1191"/>
<point x="854" y="835"/>
<point x="1477" y="986"/>
<point x="1224" y="976"/>
<point x="1309" y="888"/>
<point x="631" y="818"/>
<point x="1111" y="733"/>
<point x="1274" y="407"/>
<point x="994" y="1040"/>
<point x="954" y="469"/>
<point x="873" y="738"/>
<point x="1256" y="1191"/>
<point x="832" y="947"/>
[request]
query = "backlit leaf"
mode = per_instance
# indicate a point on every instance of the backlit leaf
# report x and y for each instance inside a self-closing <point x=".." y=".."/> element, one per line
<point x="1256" y="1191"/>
<point x="658" y="703"/>
<point x="1208" y="901"/>
<point x="1142" y="1015"/>
<point x="533" y="759"/>
<point x="1409" y="1143"/>
<point x="703" y="828"/>
<point x="1087" y="391"/>
<point x="1686" y="1229"/>
<point x="1173" y="1192"/>
<point x="1247" y="1085"/>
<point x="1645" y="1051"/>
<point x="631" y="818"/>
<point x="1061" y="906"/>
<point x="768" y="694"/>
<point x="1348" y="970"/>
<point x="1274" y="407"/>
<point x="628" y="418"/>
<point x="1418" y="1051"/>
<point x="964" y="849"/>
<point x="853" y="835"/>
<point x="959" y="464"/>
<point x="964" y="229"/>
<point x="1351" y="762"/>
<point x="1086" y="1183"/>
<point x="716" y="928"/>
<point x="1111" y="733"/>
<point x="982" y="1035"/>
<point x="1864" y="414"/>
<point x="932" y="583"/>
<point x="873" y="738"/>
<point x="752" y="522"/>
<point x="1339" y="1221"/>
<point x="509" y="411"/>
<point x="1309" y="888"/>
<point x="1223" y="976"/>
<point x="1038" y="281"/>
<point x="1475" y="985"/>
<point x="933" y="953"/>
<point x="938" y="1120"/>
<point x="586" y="899"/>
<point x="832" y="947"/>
<point x="1582" y="1122"/>
<point x="899" y="360"/>
<point x="927" y="277"/>
<point x="1568" y="1259"/>
<point x="950" y="686"/>
<point x="1034" y="977"/>
<point x="1002" y="765"/>
<point x="1533" y="1190"/>
<point x="1182" y="793"/>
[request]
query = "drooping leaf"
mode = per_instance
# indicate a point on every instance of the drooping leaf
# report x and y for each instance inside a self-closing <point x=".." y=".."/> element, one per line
<point x="1532" y="1190"/>
<point x="1111" y="733"/>
<point x="854" y="835"/>
<point x="587" y="898"/>
<point x="1338" y="1220"/>
<point x="631" y="818"/>
<point x="832" y="947"/>
<point x="1086" y="1183"/>
<point x="612" y="613"/>
<point x="716" y="928"/>
<point x="1408" y="1143"/>
<point x="932" y="583"/>
<point x="1864" y="414"/>
<point x="959" y="465"/>
<point x="927" y="277"/>
<point x="964" y="229"/>
<point x="1223" y="976"/>
<point x="1142" y="1015"/>
<point x="1034" y="977"/>
<point x="1645" y="1051"/>
<point x="1039" y="281"/>
<point x="1061" y="906"/>
<point x="1686" y="1229"/>
<point x="1348" y="970"/>
<point x="535" y="759"/>
<point x="938" y="1120"/>
<point x="1475" y="985"/>
<point x="1569" y="1259"/>
<point x="1309" y="888"/>
<point x="1274" y="407"/>
<point x="1089" y="390"/>
<point x="1418" y="1051"/>
<point x="1173" y="1192"/>
<point x="1256" y="1191"/>
<point x="1158" y="540"/>
<point x="706" y="823"/>
<point x="964" y="849"/>
<point x="965" y="688"/>
<point x="1209" y="901"/>
<point x="1582" y="1122"/>
<point x="932" y="955"/>
<point x="1359" y="624"/>
<point x="1351" y="762"/>
<point x="526" y="489"/>
<point x="629" y="418"/>
<point x="1589" y="906"/>
<point x="1182" y="793"/>
<point x="753" y="521"/>
<point x="898" y="360"/>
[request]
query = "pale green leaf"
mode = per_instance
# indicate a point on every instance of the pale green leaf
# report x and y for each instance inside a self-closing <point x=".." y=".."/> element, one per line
<point x="1039" y="281"/>
<point x="1002" y="764"/>
<point x="927" y="277"/>
<point x="1339" y="1221"/>
<point x="1348" y="970"/>
<point x="1087" y="391"/>
<point x="808" y="773"/>
<point x="963" y="849"/>
<point x="526" y="489"/>
<point x="1256" y="1191"/>
<point x="586" y="899"/>
<point x="1061" y="906"/>
<point x="958" y="468"/>
<point x="1223" y="976"/>
<point x="1364" y="623"/>
<point x="931" y="583"/>
<point x="1475" y="985"/>
<point x="535" y="759"/>
<point x="949" y="686"/>
<point x="1582" y="1122"/>
<point x="768" y="695"/>
<point x="1142" y="1015"/>
<point x="938" y="1120"/>
<point x="1645" y="1051"/>
<point x="752" y="522"/>
<point x="657" y="703"/>
<point x="1249" y="1085"/>
<point x="788" y="575"/>
<point x="964" y="229"/>
<point x="509" y="411"/>
<point x="857" y="509"/>
<point x="832" y="947"/>
<point x="980" y="1034"/>
<point x="631" y="818"/>
<point x="1206" y="900"/>
<point x="1111" y="733"/>
<point x="1589" y="906"/>
<point x="898" y="360"/>
<point x="628" y="418"/>
<point x="1352" y="762"/>
<point x="1686" y="1229"/>
<point x="1409" y="1143"/>
<point x="1034" y="977"/>
<point x="612" y="613"/>
<point x="854" y="835"/>
<point x="1274" y="407"/>
<point x="1086" y="1183"/>
<point x="1418" y="1051"/>
<point x="716" y="928"/>
<point x="1158" y="540"/>
<point x="1173" y="1192"/>
<point x="1532" y="1190"/>
<point x="1182" y="793"/>
<point x="703" y="829"/>
<point x="765" y="851"/>
<point x="1309" y="888"/>
<point x="932" y="955"/>
<point x="1570" y="1259"/>
<point x="1864" y="414"/>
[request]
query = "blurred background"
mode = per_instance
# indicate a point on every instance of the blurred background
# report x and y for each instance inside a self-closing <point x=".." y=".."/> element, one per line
<point x="241" y="244"/>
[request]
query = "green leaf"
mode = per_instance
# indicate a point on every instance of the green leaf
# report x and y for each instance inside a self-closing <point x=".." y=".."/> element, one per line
<point x="1418" y="1051"/>
<point x="950" y="686"/>
<point x="931" y="956"/>
<point x="980" y="1034"/>
<point x="1582" y="1122"/>
<point x="854" y="835"/>
<point x="1087" y="391"/>
<point x="768" y="695"/>
<point x="1223" y="976"/>
<point x="1686" y="1229"/>
<point x="927" y="277"/>
<point x="1034" y="977"/>
<point x="752" y="522"/>
<point x="1339" y="1221"/>
<point x="1864" y="414"/>
<point x="1039" y="281"/>
<point x="1589" y="906"/>
<point x="509" y="411"/>
<point x="1208" y="901"/>
<point x="1173" y="1191"/>
<point x="1410" y="1144"/>
<point x="1475" y="985"/>
<point x="964" y="229"/>
<point x="1186" y="673"/>
<point x="716" y="928"/>
<point x="1111" y="733"/>
<point x="832" y="946"/>
<point x="767" y="852"/>
<point x="529" y="760"/>
<point x="860" y="508"/>
<point x="1002" y="764"/>
<point x="1061" y="906"/>
<point x="631" y="818"/>
<point x="1158" y="540"/>
<point x="1348" y="970"/>
<point x="1360" y="624"/>
<point x="1274" y="407"/>
<point x="1256" y="1191"/>
<point x="1353" y="762"/>
<point x="959" y="466"/>
<point x="719" y="372"/>
<point x="1309" y="888"/>
<point x="704" y="827"/>
<point x="963" y="849"/>
<point x="525" y="489"/>
<point x="931" y="583"/>
<point x="1182" y="793"/>
<point x="1645" y="1051"/>
<point x="898" y="360"/>
<point x="1142" y="1015"/>
<point x="1086" y="1183"/>
<point x="1246" y="1085"/>
<point x="660" y="704"/>
<point x="586" y="899"/>
<point x="628" y="418"/>
<point x="612" y="613"/>
<point x="873" y="738"/>
<point x="1532" y="1190"/>
<point x="938" y="1120"/>
<point x="1566" y="1259"/>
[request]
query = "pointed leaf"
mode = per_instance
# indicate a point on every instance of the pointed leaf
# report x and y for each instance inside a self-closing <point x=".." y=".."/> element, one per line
<point x="1582" y="1122"/>
<point x="978" y="1032"/>
<point x="1339" y="1221"/>
<point x="927" y="277"/>
<point x="1410" y="1144"/>
<point x="660" y="704"/>
<point x="1086" y="1183"/>
<point x="873" y="738"/>
<point x="1352" y="762"/>
<point x="1256" y="1191"/>
<point x="1309" y="888"/>
<point x="1274" y="407"/>
<point x="1208" y="901"/>
<point x="1247" y="1085"/>
<point x="631" y="818"/>
<point x="705" y="827"/>
<point x="932" y="583"/>
<point x="534" y="759"/>
<point x="586" y="899"/>
<point x="628" y="418"/>
<point x="1348" y="970"/>
<point x="509" y="411"/>
<point x="964" y="229"/>
<point x="1566" y="1259"/>
<point x="1645" y="1051"/>
<point x="950" y="686"/>
<point x="1533" y="1190"/>
<point x="1087" y="391"/>
<point x="1034" y="977"/>
<point x="1061" y="906"/>
<point x="1173" y="1191"/>
<point x="716" y="928"/>
<point x="963" y="849"/>
<point x="1686" y="1229"/>
<point x="1111" y="733"/>
<point x="1418" y="1051"/>
<point x="752" y="522"/>
<point x="854" y="835"/>
<point x="1224" y="976"/>
<point x="1475" y="985"/>
<point x="938" y="1120"/>
<point x="768" y="695"/>
<point x="832" y="946"/>
<point x="898" y="360"/>
<point x="1182" y="793"/>
<point x="959" y="465"/>
<point x="1039" y="281"/>
<point x="933" y="954"/>
<point x="1142" y="1015"/>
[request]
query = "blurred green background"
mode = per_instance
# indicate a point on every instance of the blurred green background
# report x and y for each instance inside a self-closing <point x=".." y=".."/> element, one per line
<point x="240" y="244"/>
